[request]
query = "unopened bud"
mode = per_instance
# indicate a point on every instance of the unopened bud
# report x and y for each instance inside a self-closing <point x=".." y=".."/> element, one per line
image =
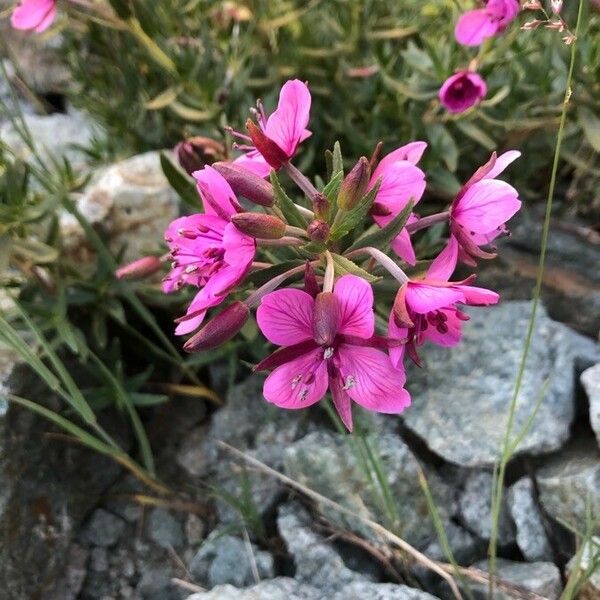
<point x="320" y="206"/>
<point x="318" y="231"/>
<point x="245" y="183"/>
<point x="138" y="269"/>
<point x="310" y="280"/>
<point x="259" y="225"/>
<point x="197" y="152"/>
<point x="401" y="316"/>
<point x="219" y="329"/>
<point x="325" y="318"/>
<point x="270" y="151"/>
<point x="355" y="185"/>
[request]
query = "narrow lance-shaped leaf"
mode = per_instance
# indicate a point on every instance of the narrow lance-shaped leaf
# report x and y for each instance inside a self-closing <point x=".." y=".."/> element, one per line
<point x="286" y="205"/>
<point x="344" y="266"/>
<point x="180" y="182"/>
<point x="382" y="238"/>
<point x="356" y="216"/>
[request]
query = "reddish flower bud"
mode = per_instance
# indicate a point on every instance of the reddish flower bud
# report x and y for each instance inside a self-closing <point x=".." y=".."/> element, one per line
<point x="354" y="186"/>
<point x="138" y="269"/>
<point x="325" y="318"/>
<point x="259" y="225"/>
<point x="270" y="151"/>
<point x="318" y="231"/>
<point x="310" y="281"/>
<point x="245" y="183"/>
<point x="400" y="309"/>
<point x="219" y="329"/>
<point x="197" y="152"/>
<point x="321" y="206"/>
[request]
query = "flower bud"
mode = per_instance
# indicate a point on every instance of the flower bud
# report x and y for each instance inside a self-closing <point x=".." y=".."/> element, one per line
<point x="138" y="269"/>
<point x="310" y="280"/>
<point x="245" y="183"/>
<point x="355" y="185"/>
<point x="401" y="316"/>
<point x="325" y="318"/>
<point x="270" y="151"/>
<point x="318" y="231"/>
<point x="321" y="206"/>
<point x="259" y="225"/>
<point x="219" y="329"/>
<point x="197" y="152"/>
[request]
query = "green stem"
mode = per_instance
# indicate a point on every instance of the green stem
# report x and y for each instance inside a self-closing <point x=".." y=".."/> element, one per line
<point x="507" y="451"/>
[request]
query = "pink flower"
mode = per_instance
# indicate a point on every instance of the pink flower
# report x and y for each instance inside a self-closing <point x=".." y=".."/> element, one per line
<point x="461" y="91"/>
<point x="426" y="309"/>
<point x="475" y="26"/>
<point x="479" y="212"/>
<point x="284" y="130"/>
<point x="208" y="251"/>
<point x="401" y="181"/>
<point x="34" y="15"/>
<point x="329" y="342"/>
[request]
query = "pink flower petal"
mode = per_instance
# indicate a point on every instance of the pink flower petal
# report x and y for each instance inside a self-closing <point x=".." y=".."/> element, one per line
<point x="355" y="299"/>
<point x="285" y="316"/>
<point x="254" y="162"/>
<point x="445" y="263"/>
<point x="298" y="383"/>
<point x="486" y="205"/>
<point x="475" y="26"/>
<point x="402" y="246"/>
<point x="448" y="338"/>
<point x="396" y="333"/>
<point x="190" y="325"/>
<point x="239" y="248"/>
<point x="411" y="152"/>
<point x="35" y="15"/>
<point x="476" y="296"/>
<point x="502" y="162"/>
<point x="287" y="125"/>
<point x="212" y="182"/>
<point x="401" y="181"/>
<point x="371" y="380"/>
<point x="342" y="402"/>
<point x="422" y="297"/>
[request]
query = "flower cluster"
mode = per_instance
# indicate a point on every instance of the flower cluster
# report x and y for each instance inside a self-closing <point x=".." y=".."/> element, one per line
<point x="466" y="87"/>
<point x="311" y="267"/>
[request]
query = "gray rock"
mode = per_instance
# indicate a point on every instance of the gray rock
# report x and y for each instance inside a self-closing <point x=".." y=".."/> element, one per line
<point x="165" y="529"/>
<point x="566" y="483"/>
<point x="475" y="509"/>
<point x="317" y="563"/>
<point x="362" y="590"/>
<point x="99" y="559"/>
<point x="460" y="398"/>
<point x="531" y="533"/>
<point x="540" y="577"/>
<point x="56" y="136"/>
<point x="590" y="379"/>
<point x="155" y="584"/>
<point x="103" y="529"/>
<point x="227" y="559"/>
<point x="281" y="588"/>
<point x="326" y="463"/>
<point x="195" y="529"/>
<point x="68" y="586"/>
<point x="590" y="554"/>
<point x="465" y="547"/>
<point x="131" y="201"/>
<point x="251" y="424"/>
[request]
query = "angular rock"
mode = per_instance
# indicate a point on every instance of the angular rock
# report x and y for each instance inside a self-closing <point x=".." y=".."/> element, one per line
<point x="590" y="588"/>
<point x="466" y="548"/>
<point x="227" y="559"/>
<point x="326" y="463"/>
<point x="281" y="588"/>
<point x="55" y="136"/>
<point x="475" y="509"/>
<point x="131" y="201"/>
<point x="531" y="533"/>
<point x="567" y="481"/>
<point x="590" y="380"/>
<point x="165" y="529"/>
<point x="103" y="529"/>
<point x="540" y="577"/>
<point x="361" y="590"/>
<point x="249" y="423"/>
<point x="461" y="397"/>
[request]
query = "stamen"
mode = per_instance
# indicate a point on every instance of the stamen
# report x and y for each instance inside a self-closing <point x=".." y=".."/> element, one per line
<point x="350" y="382"/>
<point x="328" y="353"/>
<point x="296" y="381"/>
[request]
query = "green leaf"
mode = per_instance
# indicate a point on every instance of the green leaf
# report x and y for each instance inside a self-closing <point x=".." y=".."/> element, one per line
<point x="191" y="114"/>
<point x="475" y="133"/>
<point x="121" y="8"/>
<point x="331" y="191"/>
<point x="140" y="399"/>
<point x="337" y="164"/>
<point x="314" y="248"/>
<point x="590" y="124"/>
<point x="344" y="266"/>
<point x="180" y="182"/>
<point x="262" y="276"/>
<point x="286" y="205"/>
<point x="383" y="237"/>
<point x="35" y="251"/>
<point x="355" y="217"/>
<point x="444" y="145"/>
<point x="163" y="99"/>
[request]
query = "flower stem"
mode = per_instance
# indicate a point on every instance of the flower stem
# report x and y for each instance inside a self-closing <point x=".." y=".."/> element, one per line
<point x="296" y="231"/>
<point x="384" y="260"/>
<point x="428" y="221"/>
<point x="254" y="298"/>
<point x="284" y="241"/>
<point x="329" y="273"/>
<point x="301" y="180"/>
<point x="507" y="449"/>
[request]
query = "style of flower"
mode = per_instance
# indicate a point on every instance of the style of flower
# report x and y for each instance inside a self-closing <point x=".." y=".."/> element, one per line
<point x="34" y="15"/>
<point x="328" y="342"/>
<point x="462" y="91"/>
<point x="208" y="251"/>
<point x="480" y="210"/>
<point x="426" y="309"/>
<point x="278" y="136"/>
<point x="477" y="25"/>
<point x="401" y="181"/>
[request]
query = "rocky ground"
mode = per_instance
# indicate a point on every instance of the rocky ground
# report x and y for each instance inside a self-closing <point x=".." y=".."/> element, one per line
<point x="74" y="526"/>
